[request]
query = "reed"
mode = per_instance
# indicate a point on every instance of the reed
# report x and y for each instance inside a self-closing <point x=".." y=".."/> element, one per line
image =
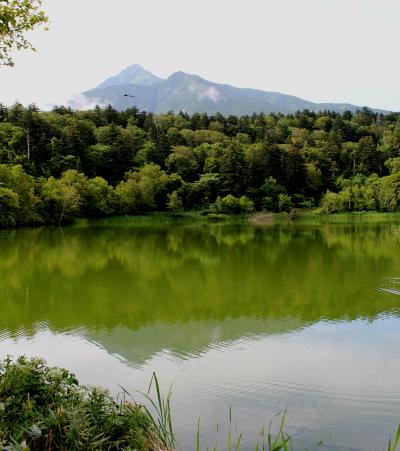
<point x="393" y="446"/>
<point x="160" y="415"/>
<point x="44" y="408"/>
<point x="270" y="441"/>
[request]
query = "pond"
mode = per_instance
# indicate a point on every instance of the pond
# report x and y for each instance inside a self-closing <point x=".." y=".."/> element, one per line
<point x="303" y="317"/>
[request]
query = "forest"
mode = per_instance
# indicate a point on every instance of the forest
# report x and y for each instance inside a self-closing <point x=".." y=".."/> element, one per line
<point x="62" y="164"/>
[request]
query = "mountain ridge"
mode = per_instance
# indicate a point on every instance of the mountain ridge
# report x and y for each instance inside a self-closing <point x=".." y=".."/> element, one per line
<point x="133" y="74"/>
<point x="193" y="94"/>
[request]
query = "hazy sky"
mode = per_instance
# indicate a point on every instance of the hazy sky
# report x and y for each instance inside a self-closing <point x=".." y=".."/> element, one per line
<point x="320" y="50"/>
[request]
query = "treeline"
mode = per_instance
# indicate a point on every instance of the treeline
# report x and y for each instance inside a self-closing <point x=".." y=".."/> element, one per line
<point x="62" y="164"/>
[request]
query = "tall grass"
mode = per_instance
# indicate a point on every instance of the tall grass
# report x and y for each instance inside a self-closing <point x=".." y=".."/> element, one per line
<point x="44" y="408"/>
<point x="268" y="441"/>
<point x="278" y="441"/>
<point x="160" y="417"/>
<point x="393" y="446"/>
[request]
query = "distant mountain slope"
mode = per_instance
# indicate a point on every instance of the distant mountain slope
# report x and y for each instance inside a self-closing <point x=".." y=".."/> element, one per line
<point x="132" y="75"/>
<point x="193" y="94"/>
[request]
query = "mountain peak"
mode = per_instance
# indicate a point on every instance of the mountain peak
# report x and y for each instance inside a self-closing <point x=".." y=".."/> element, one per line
<point x="191" y="93"/>
<point x="180" y="75"/>
<point x="134" y="74"/>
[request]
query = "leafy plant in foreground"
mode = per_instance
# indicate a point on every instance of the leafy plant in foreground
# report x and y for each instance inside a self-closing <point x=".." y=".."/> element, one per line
<point x="44" y="408"/>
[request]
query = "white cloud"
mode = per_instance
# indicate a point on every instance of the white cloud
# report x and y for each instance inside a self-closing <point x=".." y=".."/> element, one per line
<point x="213" y="94"/>
<point x="80" y="102"/>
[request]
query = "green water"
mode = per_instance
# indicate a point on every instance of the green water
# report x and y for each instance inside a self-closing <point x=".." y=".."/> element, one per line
<point x="259" y="319"/>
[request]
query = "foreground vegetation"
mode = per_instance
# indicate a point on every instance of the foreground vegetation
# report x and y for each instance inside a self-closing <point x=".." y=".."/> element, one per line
<point x="59" y="165"/>
<point x="44" y="408"/>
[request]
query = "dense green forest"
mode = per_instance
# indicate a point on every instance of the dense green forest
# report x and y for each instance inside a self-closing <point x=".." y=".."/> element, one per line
<point x="63" y="164"/>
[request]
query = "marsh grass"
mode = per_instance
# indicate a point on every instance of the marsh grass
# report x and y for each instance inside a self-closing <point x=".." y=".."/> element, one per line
<point x="350" y="218"/>
<point x="44" y="408"/>
<point x="268" y="441"/>
<point x="279" y="440"/>
<point x="159" y="414"/>
<point x="392" y="446"/>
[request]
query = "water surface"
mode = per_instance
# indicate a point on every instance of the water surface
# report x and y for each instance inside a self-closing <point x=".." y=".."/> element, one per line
<point x="303" y="317"/>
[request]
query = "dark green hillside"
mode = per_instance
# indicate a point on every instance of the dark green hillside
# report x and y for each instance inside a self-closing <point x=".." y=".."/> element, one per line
<point x="59" y="165"/>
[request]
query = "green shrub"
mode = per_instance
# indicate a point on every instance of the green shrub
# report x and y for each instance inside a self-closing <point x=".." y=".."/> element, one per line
<point x="44" y="408"/>
<point x="231" y="205"/>
<point x="9" y="207"/>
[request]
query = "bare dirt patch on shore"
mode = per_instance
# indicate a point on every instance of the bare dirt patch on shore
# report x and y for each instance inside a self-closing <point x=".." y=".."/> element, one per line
<point x="262" y="218"/>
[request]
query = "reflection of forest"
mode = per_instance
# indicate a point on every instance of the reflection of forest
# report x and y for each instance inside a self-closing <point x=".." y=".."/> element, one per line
<point x="107" y="278"/>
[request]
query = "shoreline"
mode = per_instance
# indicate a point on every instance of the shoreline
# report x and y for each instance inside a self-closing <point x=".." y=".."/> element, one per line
<point x="259" y="219"/>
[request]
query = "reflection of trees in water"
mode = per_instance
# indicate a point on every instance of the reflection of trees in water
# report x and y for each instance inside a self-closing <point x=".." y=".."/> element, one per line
<point x="104" y="277"/>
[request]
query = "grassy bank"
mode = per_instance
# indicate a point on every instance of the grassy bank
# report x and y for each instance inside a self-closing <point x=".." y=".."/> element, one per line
<point x="311" y="217"/>
<point x="162" y="218"/>
<point x="260" y="218"/>
<point x="315" y="218"/>
<point x="44" y="408"/>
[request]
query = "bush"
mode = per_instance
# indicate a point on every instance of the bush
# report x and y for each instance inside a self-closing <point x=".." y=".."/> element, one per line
<point x="332" y="203"/>
<point x="284" y="202"/>
<point x="231" y="205"/>
<point x="9" y="207"/>
<point x="174" y="203"/>
<point x="44" y="408"/>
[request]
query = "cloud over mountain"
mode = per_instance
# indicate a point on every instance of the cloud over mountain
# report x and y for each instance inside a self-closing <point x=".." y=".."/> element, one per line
<point x="193" y="94"/>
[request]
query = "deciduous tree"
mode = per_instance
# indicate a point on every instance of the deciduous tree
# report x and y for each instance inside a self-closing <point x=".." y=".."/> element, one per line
<point x="16" y="18"/>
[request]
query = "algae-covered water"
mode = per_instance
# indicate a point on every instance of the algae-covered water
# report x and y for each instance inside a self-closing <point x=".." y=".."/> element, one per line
<point x="259" y="319"/>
